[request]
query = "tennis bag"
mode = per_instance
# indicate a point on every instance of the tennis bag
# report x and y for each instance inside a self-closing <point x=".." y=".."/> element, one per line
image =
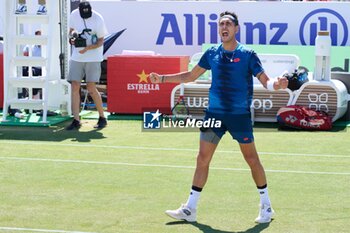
<point x="300" y="117"/>
<point x="297" y="78"/>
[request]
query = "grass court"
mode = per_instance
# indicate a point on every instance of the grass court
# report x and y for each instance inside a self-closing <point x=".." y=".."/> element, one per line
<point x="121" y="180"/>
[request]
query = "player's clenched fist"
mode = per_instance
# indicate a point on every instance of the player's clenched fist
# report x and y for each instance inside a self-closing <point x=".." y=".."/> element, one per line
<point x="282" y="82"/>
<point x="155" y="78"/>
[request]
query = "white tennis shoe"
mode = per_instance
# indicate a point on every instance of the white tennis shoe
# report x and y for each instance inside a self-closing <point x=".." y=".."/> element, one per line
<point x="182" y="213"/>
<point x="266" y="214"/>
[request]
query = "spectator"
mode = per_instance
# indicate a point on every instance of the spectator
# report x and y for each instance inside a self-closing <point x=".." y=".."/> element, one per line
<point x="87" y="30"/>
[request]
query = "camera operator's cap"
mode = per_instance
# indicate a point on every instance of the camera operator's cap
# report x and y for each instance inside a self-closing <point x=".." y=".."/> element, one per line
<point x="85" y="9"/>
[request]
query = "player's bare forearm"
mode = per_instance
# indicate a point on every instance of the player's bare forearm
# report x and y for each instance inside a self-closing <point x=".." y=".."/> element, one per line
<point x="278" y="83"/>
<point x="182" y="77"/>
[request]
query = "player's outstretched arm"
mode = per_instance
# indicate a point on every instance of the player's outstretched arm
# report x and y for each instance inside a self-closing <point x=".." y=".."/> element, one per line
<point x="183" y="77"/>
<point x="273" y="84"/>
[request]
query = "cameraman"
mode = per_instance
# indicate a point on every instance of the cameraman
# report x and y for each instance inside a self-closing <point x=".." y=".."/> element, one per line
<point x="87" y="30"/>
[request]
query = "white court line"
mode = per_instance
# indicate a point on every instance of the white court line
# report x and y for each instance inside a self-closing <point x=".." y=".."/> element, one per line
<point x="39" y="230"/>
<point x="167" y="149"/>
<point x="165" y="165"/>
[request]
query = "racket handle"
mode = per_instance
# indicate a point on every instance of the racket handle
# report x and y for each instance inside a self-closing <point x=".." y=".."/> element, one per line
<point x="182" y="89"/>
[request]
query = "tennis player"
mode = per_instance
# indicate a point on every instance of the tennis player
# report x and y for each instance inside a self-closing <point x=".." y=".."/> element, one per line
<point x="230" y="96"/>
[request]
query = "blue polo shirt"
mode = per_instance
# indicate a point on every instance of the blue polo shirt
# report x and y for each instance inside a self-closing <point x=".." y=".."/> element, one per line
<point x="231" y="90"/>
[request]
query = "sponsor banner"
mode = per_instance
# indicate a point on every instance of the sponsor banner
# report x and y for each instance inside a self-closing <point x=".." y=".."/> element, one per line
<point x="129" y="88"/>
<point x="181" y="27"/>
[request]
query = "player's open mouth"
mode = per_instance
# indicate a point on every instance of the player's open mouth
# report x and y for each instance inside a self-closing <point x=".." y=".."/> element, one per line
<point x="224" y="34"/>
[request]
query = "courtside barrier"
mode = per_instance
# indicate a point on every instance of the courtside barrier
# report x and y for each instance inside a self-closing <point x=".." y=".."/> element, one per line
<point x="329" y="96"/>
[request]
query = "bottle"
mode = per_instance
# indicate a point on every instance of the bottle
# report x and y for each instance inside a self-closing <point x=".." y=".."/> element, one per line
<point x="63" y="109"/>
<point x="323" y="46"/>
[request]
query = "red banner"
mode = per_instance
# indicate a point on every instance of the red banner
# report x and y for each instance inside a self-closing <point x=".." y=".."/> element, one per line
<point x="129" y="88"/>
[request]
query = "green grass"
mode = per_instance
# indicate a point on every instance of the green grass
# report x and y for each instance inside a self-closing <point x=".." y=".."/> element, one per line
<point x="120" y="180"/>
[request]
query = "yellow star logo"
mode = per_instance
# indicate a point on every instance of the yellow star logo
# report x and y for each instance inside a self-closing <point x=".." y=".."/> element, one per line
<point x="143" y="77"/>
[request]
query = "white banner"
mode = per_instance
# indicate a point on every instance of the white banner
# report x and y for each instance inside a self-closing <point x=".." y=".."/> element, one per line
<point x="181" y="27"/>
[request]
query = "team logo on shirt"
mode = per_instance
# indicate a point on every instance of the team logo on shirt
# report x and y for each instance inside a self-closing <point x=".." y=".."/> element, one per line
<point x="236" y="60"/>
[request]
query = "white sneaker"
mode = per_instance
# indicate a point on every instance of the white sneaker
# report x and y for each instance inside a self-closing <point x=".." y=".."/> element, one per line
<point x="265" y="214"/>
<point x="21" y="9"/>
<point x="182" y="213"/>
<point x="42" y="10"/>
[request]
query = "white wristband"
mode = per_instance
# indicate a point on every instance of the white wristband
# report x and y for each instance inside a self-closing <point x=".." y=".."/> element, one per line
<point x="269" y="85"/>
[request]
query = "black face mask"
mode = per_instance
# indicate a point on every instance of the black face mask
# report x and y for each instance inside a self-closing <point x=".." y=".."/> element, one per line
<point x="85" y="10"/>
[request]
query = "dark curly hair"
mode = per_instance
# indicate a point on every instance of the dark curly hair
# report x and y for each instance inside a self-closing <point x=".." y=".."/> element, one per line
<point x="231" y="14"/>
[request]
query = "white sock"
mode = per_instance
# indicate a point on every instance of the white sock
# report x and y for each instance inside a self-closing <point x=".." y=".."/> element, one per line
<point x="193" y="199"/>
<point x="264" y="196"/>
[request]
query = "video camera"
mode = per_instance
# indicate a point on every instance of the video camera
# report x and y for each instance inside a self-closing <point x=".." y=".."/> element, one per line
<point x="80" y="41"/>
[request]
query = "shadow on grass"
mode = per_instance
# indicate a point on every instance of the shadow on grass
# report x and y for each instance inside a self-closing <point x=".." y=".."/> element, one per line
<point x="208" y="229"/>
<point x="53" y="133"/>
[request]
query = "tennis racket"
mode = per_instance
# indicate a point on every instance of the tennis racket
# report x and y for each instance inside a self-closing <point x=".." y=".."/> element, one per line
<point x="180" y="109"/>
